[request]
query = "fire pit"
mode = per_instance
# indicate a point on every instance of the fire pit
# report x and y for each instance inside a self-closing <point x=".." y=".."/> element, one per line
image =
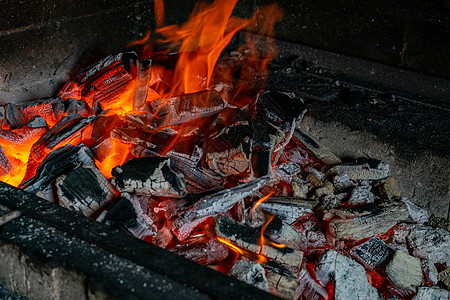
<point x="187" y="151"/>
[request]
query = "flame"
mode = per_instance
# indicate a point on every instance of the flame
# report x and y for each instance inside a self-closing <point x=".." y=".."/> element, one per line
<point x="262" y="238"/>
<point x="231" y="245"/>
<point x="272" y="192"/>
<point x="159" y="12"/>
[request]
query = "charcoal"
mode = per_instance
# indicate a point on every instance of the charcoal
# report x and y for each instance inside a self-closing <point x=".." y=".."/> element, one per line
<point x="34" y="128"/>
<point x="51" y="109"/>
<point x="282" y="233"/>
<point x="155" y="142"/>
<point x="431" y="293"/>
<point x="444" y="277"/>
<point x="286" y="287"/>
<point x="8" y="217"/>
<point x="419" y="215"/>
<point x="197" y="178"/>
<point x="326" y="190"/>
<point x="300" y="188"/>
<point x="247" y="238"/>
<point x="430" y="243"/>
<point x="315" y="177"/>
<point x="309" y="288"/>
<point x="405" y="271"/>
<point x="177" y="110"/>
<point x="209" y="251"/>
<point x="343" y="182"/>
<point x="318" y="150"/>
<point x="70" y="90"/>
<point x="57" y="163"/>
<point x="364" y="170"/>
<point x="142" y="80"/>
<point x="213" y="205"/>
<point x="6" y="166"/>
<point x="67" y="129"/>
<point x="131" y="212"/>
<point x="95" y="193"/>
<point x="430" y="271"/>
<point x="14" y="117"/>
<point x="361" y="195"/>
<point x="228" y="151"/>
<point x="373" y="254"/>
<point x="388" y="188"/>
<point x="349" y="277"/>
<point x="251" y="273"/>
<point x="367" y="221"/>
<point x="79" y="107"/>
<point x="149" y="176"/>
<point x="108" y="80"/>
<point x="288" y="209"/>
<point x="287" y="171"/>
<point x="163" y="237"/>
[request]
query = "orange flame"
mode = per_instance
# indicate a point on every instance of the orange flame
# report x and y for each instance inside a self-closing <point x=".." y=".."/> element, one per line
<point x="263" y="199"/>
<point x="159" y="12"/>
<point x="262" y="238"/>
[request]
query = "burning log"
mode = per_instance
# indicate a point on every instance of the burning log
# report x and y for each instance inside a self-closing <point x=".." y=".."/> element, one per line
<point x="6" y="166"/>
<point x="149" y="176"/>
<point x="109" y="79"/>
<point x="57" y="163"/>
<point x="373" y="254"/>
<point x="142" y="81"/>
<point x="50" y="109"/>
<point x="202" y="249"/>
<point x="13" y="116"/>
<point x="67" y="129"/>
<point x="96" y="191"/>
<point x="288" y="209"/>
<point x="212" y="205"/>
<point x="366" y="221"/>
<point x="131" y="212"/>
<point x="349" y="277"/>
<point x="309" y="288"/>
<point x="247" y="238"/>
<point x="34" y="128"/>
<point x="318" y="150"/>
<point x="286" y="287"/>
<point x="251" y="273"/>
<point x="405" y="271"/>
<point x="284" y="234"/>
<point x="79" y="107"/>
<point x="363" y="170"/>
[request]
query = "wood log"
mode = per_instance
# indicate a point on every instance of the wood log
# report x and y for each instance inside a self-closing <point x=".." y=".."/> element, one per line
<point x="363" y="169"/>
<point x="288" y="209"/>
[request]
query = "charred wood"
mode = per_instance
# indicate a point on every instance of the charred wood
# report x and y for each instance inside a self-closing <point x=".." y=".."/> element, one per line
<point x="51" y="110"/>
<point x="142" y="80"/>
<point x="288" y="209"/>
<point x="319" y="151"/>
<point x="372" y="254"/>
<point x="251" y="273"/>
<point x="362" y="170"/>
<point x="6" y="166"/>
<point x="13" y="116"/>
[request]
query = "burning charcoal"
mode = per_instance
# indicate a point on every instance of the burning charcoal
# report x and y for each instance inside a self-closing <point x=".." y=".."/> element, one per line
<point x="6" y="166"/>
<point x="108" y="79"/>
<point x="431" y="293"/>
<point x="177" y="110"/>
<point x="294" y="153"/>
<point x="95" y="193"/>
<point x="405" y="271"/>
<point x="430" y="271"/>
<point x="419" y="215"/>
<point x="361" y="195"/>
<point x="50" y="109"/>
<point x="430" y="243"/>
<point x="131" y="212"/>
<point x="251" y="273"/>
<point x="283" y="286"/>
<point x="388" y="188"/>
<point x="149" y="176"/>
<point x="319" y="151"/>
<point x="198" y="179"/>
<point x="35" y="127"/>
<point x="373" y="254"/>
<point x="213" y="205"/>
<point x="57" y="163"/>
<point x="283" y="234"/>
<point x="209" y="251"/>
<point x="247" y="238"/>
<point x="366" y="221"/>
<point x="349" y="277"/>
<point x="67" y="129"/>
<point x="288" y="209"/>
<point x="326" y="190"/>
<point x="287" y="171"/>
<point x="14" y="117"/>
<point x="79" y="107"/>
<point x="362" y="170"/>
<point x="70" y="90"/>
<point x="300" y="188"/>
<point x="444" y="277"/>
<point x="315" y="177"/>
<point x="142" y="80"/>
<point x="309" y="288"/>
<point x="228" y="151"/>
<point x="343" y="182"/>
<point x="163" y="237"/>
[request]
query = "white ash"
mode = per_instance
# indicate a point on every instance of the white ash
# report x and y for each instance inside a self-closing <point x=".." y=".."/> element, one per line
<point x="430" y="243"/>
<point x="350" y="279"/>
<point x="361" y="195"/>
<point x="373" y="253"/>
<point x="300" y="188"/>
<point x="362" y="171"/>
<point x="431" y="293"/>
<point x="251" y="273"/>
<point x="287" y="171"/>
<point x="405" y="271"/>
<point x="343" y="182"/>
<point x="418" y="214"/>
<point x="430" y="271"/>
<point x="309" y="288"/>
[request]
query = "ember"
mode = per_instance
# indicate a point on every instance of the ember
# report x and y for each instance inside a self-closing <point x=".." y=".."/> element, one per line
<point x="195" y="157"/>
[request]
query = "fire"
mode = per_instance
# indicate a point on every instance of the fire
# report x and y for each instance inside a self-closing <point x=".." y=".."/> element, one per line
<point x="262" y="200"/>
